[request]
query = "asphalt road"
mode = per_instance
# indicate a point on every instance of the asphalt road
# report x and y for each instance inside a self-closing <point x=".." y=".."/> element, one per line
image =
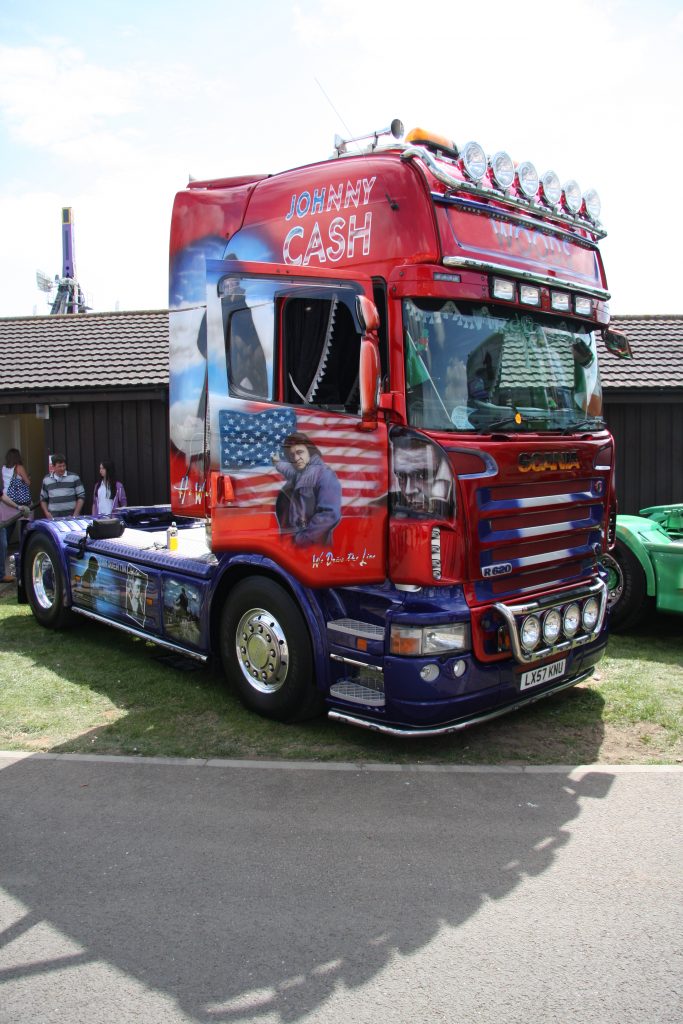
<point x="163" y="893"/>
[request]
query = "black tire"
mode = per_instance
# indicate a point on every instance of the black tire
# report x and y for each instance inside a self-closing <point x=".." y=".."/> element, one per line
<point x="266" y="651"/>
<point x="44" y="583"/>
<point x="628" y="598"/>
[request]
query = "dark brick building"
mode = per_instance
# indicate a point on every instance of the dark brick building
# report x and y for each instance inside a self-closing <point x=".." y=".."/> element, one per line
<point x="101" y="379"/>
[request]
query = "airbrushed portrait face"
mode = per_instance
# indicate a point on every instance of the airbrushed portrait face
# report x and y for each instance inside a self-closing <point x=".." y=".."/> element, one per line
<point x="414" y="470"/>
<point x="299" y="456"/>
<point x="422" y="479"/>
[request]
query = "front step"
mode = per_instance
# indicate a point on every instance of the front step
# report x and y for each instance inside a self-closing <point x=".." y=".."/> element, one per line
<point x="356" y="693"/>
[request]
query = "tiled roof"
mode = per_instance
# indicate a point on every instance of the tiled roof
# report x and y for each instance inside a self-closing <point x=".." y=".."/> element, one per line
<point x="105" y="350"/>
<point x="657" y="344"/>
<point x="84" y="350"/>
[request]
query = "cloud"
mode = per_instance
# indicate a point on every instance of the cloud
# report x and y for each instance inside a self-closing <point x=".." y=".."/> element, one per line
<point x="53" y="97"/>
<point x="590" y="90"/>
<point x="184" y="350"/>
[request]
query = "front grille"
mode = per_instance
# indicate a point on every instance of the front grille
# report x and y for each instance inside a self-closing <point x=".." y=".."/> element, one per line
<point x="534" y="535"/>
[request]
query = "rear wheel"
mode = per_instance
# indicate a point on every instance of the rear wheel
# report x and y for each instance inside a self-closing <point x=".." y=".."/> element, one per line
<point x="266" y="651"/>
<point x="627" y="589"/>
<point x="44" y="581"/>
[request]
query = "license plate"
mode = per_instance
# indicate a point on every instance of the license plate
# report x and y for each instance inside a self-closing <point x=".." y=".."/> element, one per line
<point x="542" y="674"/>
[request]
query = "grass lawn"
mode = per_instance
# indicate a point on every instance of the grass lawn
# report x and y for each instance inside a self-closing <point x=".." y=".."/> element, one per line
<point x="98" y="690"/>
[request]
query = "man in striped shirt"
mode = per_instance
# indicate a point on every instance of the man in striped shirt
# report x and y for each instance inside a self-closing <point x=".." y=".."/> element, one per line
<point x="62" y="494"/>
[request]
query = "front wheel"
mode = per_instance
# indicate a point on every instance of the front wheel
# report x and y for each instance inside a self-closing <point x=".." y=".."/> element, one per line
<point x="266" y="651"/>
<point x="44" y="581"/>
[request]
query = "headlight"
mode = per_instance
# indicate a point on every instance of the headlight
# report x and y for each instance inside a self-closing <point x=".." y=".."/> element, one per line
<point x="590" y="614"/>
<point x="503" y="169"/>
<point x="571" y="620"/>
<point x="530" y="633"/>
<point x="551" y="189"/>
<point x="572" y="196"/>
<point x="473" y="161"/>
<point x="527" y="179"/>
<point x="552" y="625"/>
<point x="592" y="204"/>
<point x="413" y="641"/>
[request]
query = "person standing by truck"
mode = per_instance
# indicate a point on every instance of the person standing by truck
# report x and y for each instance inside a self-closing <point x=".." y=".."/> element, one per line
<point x="13" y="469"/>
<point x="62" y="494"/>
<point x="16" y="483"/>
<point x="109" y="493"/>
<point x="7" y="507"/>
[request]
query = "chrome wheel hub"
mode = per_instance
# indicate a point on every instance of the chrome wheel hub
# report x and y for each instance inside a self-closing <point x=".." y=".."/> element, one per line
<point x="262" y="651"/>
<point x="43" y="577"/>
<point x="615" y="579"/>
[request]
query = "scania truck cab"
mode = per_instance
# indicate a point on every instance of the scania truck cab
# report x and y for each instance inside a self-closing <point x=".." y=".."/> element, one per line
<point x="390" y="472"/>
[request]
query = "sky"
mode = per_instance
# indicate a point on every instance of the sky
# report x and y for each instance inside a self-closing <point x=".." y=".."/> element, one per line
<point x="109" y="108"/>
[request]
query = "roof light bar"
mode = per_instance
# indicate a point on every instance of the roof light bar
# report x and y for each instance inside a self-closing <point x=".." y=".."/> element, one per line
<point x="474" y="161"/>
<point x="502" y="169"/>
<point x="521" y="182"/>
<point x="592" y="205"/>
<point x="571" y="195"/>
<point x="527" y="179"/>
<point x="550" y="188"/>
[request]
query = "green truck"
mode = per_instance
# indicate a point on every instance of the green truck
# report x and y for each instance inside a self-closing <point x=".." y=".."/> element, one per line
<point x="645" y="568"/>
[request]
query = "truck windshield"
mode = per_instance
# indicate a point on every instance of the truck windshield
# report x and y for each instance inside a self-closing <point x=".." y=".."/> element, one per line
<point x="474" y="368"/>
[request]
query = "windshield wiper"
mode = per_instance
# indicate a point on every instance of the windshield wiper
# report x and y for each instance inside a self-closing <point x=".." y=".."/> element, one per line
<point x="583" y="426"/>
<point x="506" y="422"/>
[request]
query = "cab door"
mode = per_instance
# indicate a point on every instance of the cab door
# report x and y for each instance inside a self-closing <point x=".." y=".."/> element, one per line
<point x="296" y="474"/>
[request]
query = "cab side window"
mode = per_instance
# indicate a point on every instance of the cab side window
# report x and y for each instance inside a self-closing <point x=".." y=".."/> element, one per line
<point x="248" y="313"/>
<point x="320" y="352"/>
<point x="247" y="370"/>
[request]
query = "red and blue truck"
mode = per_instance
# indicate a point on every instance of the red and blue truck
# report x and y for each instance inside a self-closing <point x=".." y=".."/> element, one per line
<point x="391" y="479"/>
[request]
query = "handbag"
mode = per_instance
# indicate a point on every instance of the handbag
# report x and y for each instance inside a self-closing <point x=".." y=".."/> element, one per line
<point x="19" y="491"/>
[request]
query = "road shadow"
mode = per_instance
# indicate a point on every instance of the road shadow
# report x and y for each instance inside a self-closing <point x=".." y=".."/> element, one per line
<point x="256" y="894"/>
<point x="244" y="894"/>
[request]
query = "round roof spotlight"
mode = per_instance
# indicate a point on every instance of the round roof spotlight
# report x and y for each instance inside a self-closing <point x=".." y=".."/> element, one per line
<point x="551" y="189"/>
<point x="592" y="204"/>
<point x="503" y="169"/>
<point x="572" y="196"/>
<point x="552" y="626"/>
<point x="530" y="632"/>
<point x="473" y="161"/>
<point x="571" y="620"/>
<point x="527" y="179"/>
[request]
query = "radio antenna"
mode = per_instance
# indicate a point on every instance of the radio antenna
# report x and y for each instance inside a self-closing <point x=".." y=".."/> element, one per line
<point x="345" y="125"/>
<point x="395" y="129"/>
